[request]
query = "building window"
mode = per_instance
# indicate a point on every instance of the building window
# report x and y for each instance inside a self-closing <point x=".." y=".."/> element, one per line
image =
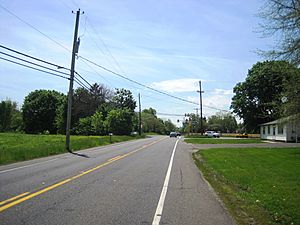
<point x="269" y="129"/>
<point x="274" y="129"/>
<point x="264" y="130"/>
<point x="280" y="129"/>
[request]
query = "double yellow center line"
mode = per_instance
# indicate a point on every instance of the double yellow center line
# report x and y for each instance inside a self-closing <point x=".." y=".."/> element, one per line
<point x="27" y="195"/>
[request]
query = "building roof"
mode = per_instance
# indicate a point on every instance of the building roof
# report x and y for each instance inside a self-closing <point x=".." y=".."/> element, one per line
<point x="281" y="120"/>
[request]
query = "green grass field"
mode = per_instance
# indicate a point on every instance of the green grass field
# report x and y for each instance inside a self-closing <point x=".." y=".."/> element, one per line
<point x="258" y="185"/>
<point x="19" y="147"/>
<point x="221" y="141"/>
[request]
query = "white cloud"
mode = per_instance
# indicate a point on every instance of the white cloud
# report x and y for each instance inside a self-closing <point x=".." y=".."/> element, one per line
<point x="178" y="85"/>
<point x="223" y="92"/>
<point x="217" y="101"/>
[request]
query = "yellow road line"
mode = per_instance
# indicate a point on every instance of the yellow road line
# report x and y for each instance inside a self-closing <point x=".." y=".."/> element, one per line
<point x="19" y="199"/>
<point x="14" y="198"/>
<point x="115" y="158"/>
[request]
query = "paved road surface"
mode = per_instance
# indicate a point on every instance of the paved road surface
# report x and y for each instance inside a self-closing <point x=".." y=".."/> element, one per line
<point x="126" y="183"/>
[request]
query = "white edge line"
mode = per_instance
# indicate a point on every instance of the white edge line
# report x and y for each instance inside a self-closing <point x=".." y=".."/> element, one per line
<point x="21" y="167"/>
<point x="160" y="205"/>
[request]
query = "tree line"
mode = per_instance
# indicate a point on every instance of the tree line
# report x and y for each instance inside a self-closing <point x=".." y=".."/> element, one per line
<point x="95" y="111"/>
<point x="221" y="121"/>
<point x="270" y="91"/>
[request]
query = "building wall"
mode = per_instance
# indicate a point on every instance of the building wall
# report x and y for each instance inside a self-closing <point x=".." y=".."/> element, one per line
<point x="293" y="132"/>
<point x="272" y="132"/>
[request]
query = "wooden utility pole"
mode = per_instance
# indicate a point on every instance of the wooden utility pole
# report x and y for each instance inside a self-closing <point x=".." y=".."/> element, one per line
<point x="200" y="102"/>
<point x="70" y="94"/>
<point x="140" y="116"/>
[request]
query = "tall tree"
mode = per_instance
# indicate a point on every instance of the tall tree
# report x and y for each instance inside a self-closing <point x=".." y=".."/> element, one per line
<point x="151" y="123"/>
<point x="259" y="98"/>
<point x="40" y="110"/>
<point x="281" y="18"/>
<point x="87" y="102"/>
<point x="119" y="121"/>
<point x="224" y="122"/>
<point x="123" y="99"/>
<point x="10" y="116"/>
<point x="291" y="93"/>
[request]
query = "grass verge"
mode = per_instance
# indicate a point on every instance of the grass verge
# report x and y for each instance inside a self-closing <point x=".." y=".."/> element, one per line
<point x="20" y="147"/>
<point x="221" y="141"/>
<point x="257" y="185"/>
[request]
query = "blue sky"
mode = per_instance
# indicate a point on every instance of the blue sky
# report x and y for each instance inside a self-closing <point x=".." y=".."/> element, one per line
<point x="169" y="45"/>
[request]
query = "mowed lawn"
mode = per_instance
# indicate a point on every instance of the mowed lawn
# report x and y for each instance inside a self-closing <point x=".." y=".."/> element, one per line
<point x="258" y="185"/>
<point x="19" y="147"/>
<point x="221" y="141"/>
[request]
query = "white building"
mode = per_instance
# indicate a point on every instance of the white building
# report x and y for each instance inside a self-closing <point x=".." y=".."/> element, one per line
<point x="286" y="129"/>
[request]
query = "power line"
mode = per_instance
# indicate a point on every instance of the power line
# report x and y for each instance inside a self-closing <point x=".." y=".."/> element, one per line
<point x="79" y="82"/>
<point x="32" y="57"/>
<point x="83" y="79"/>
<point x="97" y="73"/>
<point x="118" y="66"/>
<point x="20" y="64"/>
<point x="122" y="76"/>
<point x="106" y="47"/>
<point x="133" y="81"/>
<point x="169" y="114"/>
<point x="143" y="85"/>
<point x="44" y="67"/>
<point x="28" y="24"/>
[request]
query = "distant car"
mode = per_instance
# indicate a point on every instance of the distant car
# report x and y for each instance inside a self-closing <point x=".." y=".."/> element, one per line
<point x="178" y="133"/>
<point x="212" y="134"/>
<point x="173" y="134"/>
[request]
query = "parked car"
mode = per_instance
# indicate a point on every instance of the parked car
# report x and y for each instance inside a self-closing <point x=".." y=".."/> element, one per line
<point x="173" y="134"/>
<point x="212" y="134"/>
<point x="178" y="133"/>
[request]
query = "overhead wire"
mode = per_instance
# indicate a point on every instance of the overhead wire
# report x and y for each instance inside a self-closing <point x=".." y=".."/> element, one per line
<point x="79" y="82"/>
<point x="145" y="86"/>
<point x="37" y="59"/>
<point x="32" y="63"/>
<point x="20" y="64"/>
<point x="102" y="67"/>
<point x="118" y="66"/>
<point x="28" y="24"/>
<point x="104" y="44"/>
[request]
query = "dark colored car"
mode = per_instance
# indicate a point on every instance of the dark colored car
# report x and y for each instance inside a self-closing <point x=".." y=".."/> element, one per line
<point x="173" y="134"/>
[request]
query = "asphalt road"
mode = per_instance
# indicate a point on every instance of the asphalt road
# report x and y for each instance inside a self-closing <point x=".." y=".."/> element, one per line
<point x="149" y="181"/>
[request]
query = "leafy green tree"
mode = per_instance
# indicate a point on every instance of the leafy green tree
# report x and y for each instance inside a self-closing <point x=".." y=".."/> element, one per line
<point x="61" y="116"/>
<point x="151" y="123"/>
<point x="290" y="95"/>
<point x="281" y="19"/>
<point x="10" y="116"/>
<point x="98" y="123"/>
<point x="40" y="110"/>
<point x="123" y="99"/>
<point x="119" y="121"/>
<point x="224" y="122"/>
<point x="150" y="111"/>
<point x="192" y="124"/>
<point x="87" y="102"/>
<point x="84" y="126"/>
<point x="17" y="121"/>
<point x="169" y="126"/>
<point x="259" y="98"/>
